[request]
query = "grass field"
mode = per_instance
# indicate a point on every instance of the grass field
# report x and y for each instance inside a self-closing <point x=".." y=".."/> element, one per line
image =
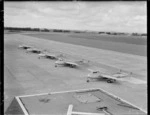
<point x="26" y="74"/>
<point x="126" y="44"/>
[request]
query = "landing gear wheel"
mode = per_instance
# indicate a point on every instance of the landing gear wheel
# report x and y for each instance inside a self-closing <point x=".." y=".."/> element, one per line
<point x="109" y="81"/>
<point x="72" y="66"/>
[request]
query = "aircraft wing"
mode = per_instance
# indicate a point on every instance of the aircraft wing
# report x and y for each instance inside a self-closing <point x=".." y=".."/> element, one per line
<point x="62" y="62"/>
<point x="120" y="75"/>
<point x="34" y="49"/>
<point x="107" y="76"/>
<point x="29" y="49"/>
<point x="51" y="55"/>
<point x="71" y="63"/>
<point x="59" y="62"/>
<point x="24" y="46"/>
<point x="41" y="54"/>
<point x="111" y="77"/>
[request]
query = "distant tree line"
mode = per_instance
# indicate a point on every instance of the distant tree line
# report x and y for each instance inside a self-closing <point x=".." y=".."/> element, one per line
<point x="121" y="33"/>
<point x="34" y="29"/>
<point x="137" y="34"/>
<point x="26" y="29"/>
<point x="67" y="31"/>
<point x="60" y="30"/>
<point x="22" y="29"/>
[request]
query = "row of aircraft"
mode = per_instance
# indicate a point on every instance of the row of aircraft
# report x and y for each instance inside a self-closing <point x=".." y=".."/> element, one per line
<point x="43" y="53"/>
<point x="60" y="61"/>
<point x="94" y="74"/>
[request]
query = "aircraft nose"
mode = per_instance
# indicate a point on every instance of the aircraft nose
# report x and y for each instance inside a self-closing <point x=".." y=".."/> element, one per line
<point x="41" y="54"/>
<point x="89" y="75"/>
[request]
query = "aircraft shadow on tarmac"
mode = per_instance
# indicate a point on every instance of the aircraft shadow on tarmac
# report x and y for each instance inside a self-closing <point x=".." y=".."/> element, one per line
<point x="100" y="80"/>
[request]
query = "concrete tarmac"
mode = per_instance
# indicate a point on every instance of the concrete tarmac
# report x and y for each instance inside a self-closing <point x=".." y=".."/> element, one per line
<point x="24" y="73"/>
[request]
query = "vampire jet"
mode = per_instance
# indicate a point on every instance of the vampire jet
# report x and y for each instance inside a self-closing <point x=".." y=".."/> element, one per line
<point x="24" y="46"/>
<point x="109" y="78"/>
<point x="48" y="56"/>
<point x="34" y="50"/>
<point x="61" y="62"/>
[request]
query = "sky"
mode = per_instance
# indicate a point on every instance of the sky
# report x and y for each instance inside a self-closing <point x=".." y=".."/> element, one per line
<point x="77" y="15"/>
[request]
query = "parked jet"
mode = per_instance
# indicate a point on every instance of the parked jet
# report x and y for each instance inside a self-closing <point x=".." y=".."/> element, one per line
<point x="48" y="55"/>
<point x="110" y="78"/>
<point x="65" y="63"/>
<point x="24" y="46"/>
<point x="34" y="50"/>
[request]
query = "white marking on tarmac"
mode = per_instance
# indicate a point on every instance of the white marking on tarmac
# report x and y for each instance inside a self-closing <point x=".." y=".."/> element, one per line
<point x="58" y="92"/>
<point x="84" y="113"/>
<point x="21" y="105"/>
<point x="70" y="112"/>
<point x="135" y="80"/>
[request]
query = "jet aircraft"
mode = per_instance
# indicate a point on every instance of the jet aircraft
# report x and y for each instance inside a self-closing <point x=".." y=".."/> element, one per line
<point x="110" y="78"/>
<point x="62" y="62"/>
<point x="34" y="50"/>
<point x="48" y="55"/>
<point x="24" y="46"/>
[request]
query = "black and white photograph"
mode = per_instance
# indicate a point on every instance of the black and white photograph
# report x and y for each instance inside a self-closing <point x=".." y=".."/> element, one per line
<point x="75" y="58"/>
